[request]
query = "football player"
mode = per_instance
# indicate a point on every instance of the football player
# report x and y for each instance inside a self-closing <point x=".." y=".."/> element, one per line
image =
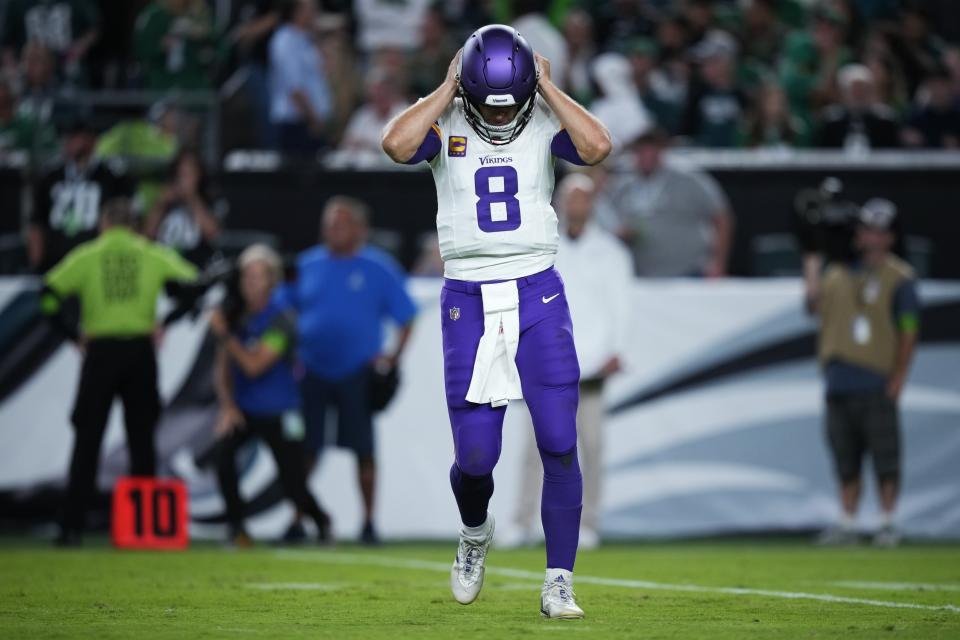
<point x="491" y="133"/>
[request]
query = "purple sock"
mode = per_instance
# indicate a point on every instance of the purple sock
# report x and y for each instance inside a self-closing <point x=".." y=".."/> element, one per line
<point x="560" y="507"/>
<point x="473" y="495"/>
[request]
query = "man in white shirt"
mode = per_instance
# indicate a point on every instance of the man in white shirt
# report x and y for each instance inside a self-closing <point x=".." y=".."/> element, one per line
<point x="300" y="100"/>
<point x="362" y="136"/>
<point x="597" y="271"/>
<point x="392" y="24"/>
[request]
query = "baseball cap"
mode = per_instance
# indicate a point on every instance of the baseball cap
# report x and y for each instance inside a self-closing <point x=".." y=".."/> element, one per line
<point x="715" y="43"/>
<point x="878" y="213"/>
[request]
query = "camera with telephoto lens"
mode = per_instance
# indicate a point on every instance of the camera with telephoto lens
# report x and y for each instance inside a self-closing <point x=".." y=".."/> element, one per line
<point x="824" y="221"/>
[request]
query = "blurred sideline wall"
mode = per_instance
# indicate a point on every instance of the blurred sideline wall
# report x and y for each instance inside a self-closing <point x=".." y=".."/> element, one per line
<point x="715" y="425"/>
<point x="285" y="200"/>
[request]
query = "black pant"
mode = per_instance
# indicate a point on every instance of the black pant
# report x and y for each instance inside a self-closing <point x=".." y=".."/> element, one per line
<point x="289" y="457"/>
<point x="351" y="397"/>
<point x="124" y="367"/>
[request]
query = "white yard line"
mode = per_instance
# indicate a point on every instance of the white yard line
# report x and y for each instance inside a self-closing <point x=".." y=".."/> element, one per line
<point x="427" y="565"/>
<point x="896" y="586"/>
<point x="294" y="586"/>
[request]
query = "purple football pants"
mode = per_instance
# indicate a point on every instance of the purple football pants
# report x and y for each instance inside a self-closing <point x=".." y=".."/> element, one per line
<point x="549" y="376"/>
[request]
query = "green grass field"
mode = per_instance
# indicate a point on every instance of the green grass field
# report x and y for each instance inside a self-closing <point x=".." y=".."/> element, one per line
<point x="681" y="590"/>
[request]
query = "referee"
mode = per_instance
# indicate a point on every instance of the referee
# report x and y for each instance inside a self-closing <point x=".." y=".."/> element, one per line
<point x="117" y="278"/>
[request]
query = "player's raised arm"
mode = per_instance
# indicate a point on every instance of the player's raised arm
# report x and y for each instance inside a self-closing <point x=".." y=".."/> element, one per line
<point x="589" y="136"/>
<point x="404" y="135"/>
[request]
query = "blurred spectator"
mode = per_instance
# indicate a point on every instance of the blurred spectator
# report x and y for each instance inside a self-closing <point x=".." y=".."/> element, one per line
<point x="676" y="221"/>
<point x="619" y="106"/>
<point x="860" y="123"/>
<point x="257" y="389"/>
<point x="888" y="77"/>
<point x="188" y="215"/>
<point x="340" y="67"/>
<point x="19" y="131"/>
<point x="153" y="137"/>
<point x="117" y="278"/>
<point x="673" y="36"/>
<point x="344" y="292"/>
<point x="663" y="93"/>
<point x="763" y="34"/>
<point x="144" y="144"/>
<point x="771" y="124"/>
<point x="174" y="43"/>
<point x="810" y="61"/>
<point x="618" y="21"/>
<point x="68" y="28"/>
<point x="389" y="24"/>
<point x="700" y="19"/>
<point x="300" y="100"/>
<point x="363" y="134"/>
<point x="542" y="36"/>
<point x="250" y="38"/>
<point x="396" y="63"/>
<point x="597" y="271"/>
<point x="715" y="105"/>
<point x="935" y="121"/>
<point x="920" y="50"/>
<point x="578" y="32"/>
<point x="869" y="319"/>
<point x="430" y="60"/>
<point x="67" y="201"/>
<point x="39" y="87"/>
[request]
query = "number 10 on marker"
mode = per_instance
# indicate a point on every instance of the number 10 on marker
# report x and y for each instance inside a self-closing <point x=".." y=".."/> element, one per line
<point x="150" y="513"/>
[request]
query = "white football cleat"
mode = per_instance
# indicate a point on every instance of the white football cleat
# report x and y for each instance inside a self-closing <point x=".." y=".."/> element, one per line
<point x="557" y="599"/>
<point x="466" y="575"/>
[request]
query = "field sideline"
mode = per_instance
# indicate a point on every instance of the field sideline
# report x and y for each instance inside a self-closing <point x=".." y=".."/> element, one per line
<point x="716" y="590"/>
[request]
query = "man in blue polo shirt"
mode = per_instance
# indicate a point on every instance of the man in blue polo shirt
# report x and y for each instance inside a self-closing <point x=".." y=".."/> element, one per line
<point x="343" y="292"/>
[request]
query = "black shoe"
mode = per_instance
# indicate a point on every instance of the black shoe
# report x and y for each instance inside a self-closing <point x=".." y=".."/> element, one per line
<point x="295" y="533"/>
<point x="324" y="530"/>
<point x="238" y="538"/>
<point x="68" y="538"/>
<point x="369" y="535"/>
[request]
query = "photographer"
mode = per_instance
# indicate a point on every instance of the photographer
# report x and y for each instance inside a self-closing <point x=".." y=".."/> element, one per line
<point x="825" y="225"/>
<point x="869" y="321"/>
<point x="256" y="387"/>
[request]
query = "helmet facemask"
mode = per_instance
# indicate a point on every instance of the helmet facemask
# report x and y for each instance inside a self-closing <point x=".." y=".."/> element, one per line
<point x="497" y="134"/>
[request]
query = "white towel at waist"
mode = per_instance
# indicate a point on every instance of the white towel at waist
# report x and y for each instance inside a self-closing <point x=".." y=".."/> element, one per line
<point x="495" y="376"/>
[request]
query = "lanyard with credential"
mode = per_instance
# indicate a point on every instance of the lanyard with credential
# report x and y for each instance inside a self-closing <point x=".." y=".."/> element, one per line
<point x="868" y="288"/>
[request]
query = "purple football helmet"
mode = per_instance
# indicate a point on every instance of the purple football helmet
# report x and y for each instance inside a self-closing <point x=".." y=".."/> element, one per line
<point x="497" y="69"/>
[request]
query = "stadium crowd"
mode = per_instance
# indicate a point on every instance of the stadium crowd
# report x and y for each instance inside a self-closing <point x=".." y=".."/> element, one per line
<point x="304" y="75"/>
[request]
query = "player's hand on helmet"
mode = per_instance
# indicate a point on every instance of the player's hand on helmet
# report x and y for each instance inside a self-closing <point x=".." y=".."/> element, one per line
<point x="453" y="69"/>
<point x="543" y="68"/>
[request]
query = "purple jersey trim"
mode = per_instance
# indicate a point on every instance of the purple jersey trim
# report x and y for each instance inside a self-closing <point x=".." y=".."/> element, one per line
<point x="428" y="149"/>
<point x="562" y="147"/>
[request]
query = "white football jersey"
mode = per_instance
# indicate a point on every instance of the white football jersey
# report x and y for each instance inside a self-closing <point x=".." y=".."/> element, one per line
<point x="494" y="216"/>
